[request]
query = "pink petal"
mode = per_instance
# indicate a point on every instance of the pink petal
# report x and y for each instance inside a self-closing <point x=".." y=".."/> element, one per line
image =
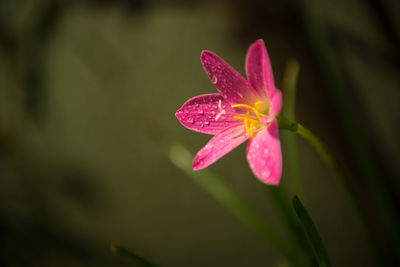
<point x="275" y="108"/>
<point x="259" y="70"/>
<point x="264" y="155"/>
<point x="220" y="145"/>
<point x="208" y="114"/>
<point x="230" y="84"/>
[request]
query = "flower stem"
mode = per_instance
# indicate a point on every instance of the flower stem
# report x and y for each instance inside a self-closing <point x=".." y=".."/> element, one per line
<point x="286" y="124"/>
<point x="316" y="33"/>
<point x="333" y="165"/>
<point x="289" y="109"/>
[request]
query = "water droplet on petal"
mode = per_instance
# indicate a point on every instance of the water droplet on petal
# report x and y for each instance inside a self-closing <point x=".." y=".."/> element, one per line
<point x="201" y="125"/>
<point x="190" y="120"/>
<point x="266" y="151"/>
<point x="266" y="173"/>
<point x="200" y="111"/>
<point x="214" y="79"/>
<point x="206" y="122"/>
<point x="240" y="95"/>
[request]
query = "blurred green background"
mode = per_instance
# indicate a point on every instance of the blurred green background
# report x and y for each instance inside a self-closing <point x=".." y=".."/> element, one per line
<point x="88" y="92"/>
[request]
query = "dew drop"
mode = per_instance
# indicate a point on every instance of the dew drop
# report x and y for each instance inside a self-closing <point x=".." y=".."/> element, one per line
<point x="200" y="111"/>
<point x="206" y="122"/>
<point x="266" y="151"/>
<point x="190" y="120"/>
<point x="201" y="125"/>
<point x="240" y="95"/>
<point x="214" y="79"/>
<point x="266" y="173"/>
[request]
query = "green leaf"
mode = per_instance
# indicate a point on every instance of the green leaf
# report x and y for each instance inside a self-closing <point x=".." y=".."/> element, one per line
<point x="311" y="233"/>
<point x="130" y="256"/>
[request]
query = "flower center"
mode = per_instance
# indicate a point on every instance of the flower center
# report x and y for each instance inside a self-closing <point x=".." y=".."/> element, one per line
<point x="254" y="114"/>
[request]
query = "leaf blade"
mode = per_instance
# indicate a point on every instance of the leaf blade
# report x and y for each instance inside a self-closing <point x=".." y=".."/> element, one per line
<point x="311" y="233"/>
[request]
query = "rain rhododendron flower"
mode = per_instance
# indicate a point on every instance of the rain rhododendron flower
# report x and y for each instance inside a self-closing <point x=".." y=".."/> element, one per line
<point x="241" y="110"/>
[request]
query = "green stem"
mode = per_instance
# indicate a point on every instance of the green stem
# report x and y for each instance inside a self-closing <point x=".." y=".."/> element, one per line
<point x="315" y="30"/>
<point x="332" y="164"/>
<point x="286" y="124"/>
<point x="289" y="109"/>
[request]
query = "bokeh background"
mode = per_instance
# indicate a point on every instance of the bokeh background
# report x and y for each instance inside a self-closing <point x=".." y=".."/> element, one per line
<point x="88" y="92"/>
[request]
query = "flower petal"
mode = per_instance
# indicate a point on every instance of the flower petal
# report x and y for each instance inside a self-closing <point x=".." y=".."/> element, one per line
<point x="230" y="84"/>
<point x="276" y="103"/>
<point x="259" y="70"/>
<point x="209" y="114"/>
<point x="275" y="108"/>
<point x="264" y="155"/>
<point x="220" y="145"/>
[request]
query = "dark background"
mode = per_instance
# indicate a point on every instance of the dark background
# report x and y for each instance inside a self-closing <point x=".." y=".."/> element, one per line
<point x="88" y="92"/>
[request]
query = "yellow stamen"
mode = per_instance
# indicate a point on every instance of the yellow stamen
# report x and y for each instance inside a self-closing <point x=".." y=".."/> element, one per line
<point x="249" y="107"/>
<point x="246" y="120"/>
<point x="251" y="124"/>
<point x="251" y="129"/>
<point x="242" y="118"/>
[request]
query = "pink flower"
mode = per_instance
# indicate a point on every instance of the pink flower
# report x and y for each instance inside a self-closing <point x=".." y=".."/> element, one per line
<point x="241" y="110"/>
